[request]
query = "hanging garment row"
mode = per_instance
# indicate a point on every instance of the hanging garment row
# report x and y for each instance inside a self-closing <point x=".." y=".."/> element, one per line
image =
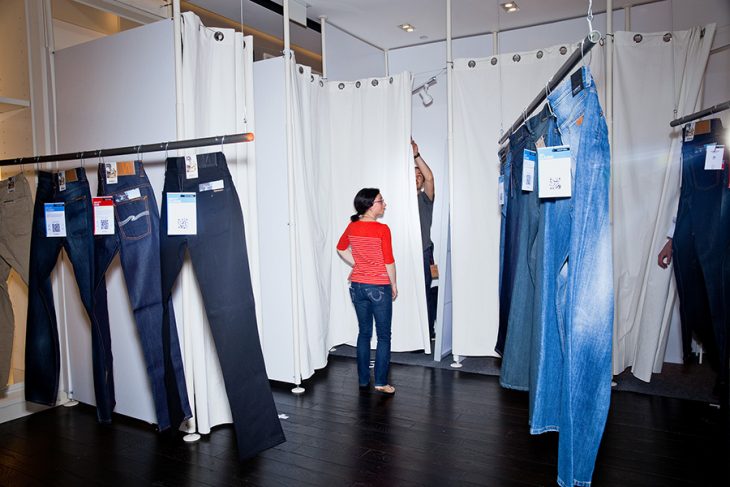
<point x="201" y="213"/>
<point x="556" y="290"/>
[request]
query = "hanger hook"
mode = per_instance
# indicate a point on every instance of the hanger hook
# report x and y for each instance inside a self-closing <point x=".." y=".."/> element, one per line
<point x="166" y="144"/>
<point x="223" y="141"/>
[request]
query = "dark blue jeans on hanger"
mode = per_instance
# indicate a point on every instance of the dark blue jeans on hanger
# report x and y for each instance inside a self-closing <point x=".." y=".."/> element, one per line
<point x="42" y="356"/>
<point x="220" y="260"/>
<point x="137" y="239"/>
<point x="525" y="213"/>
<point x="700" y="238"/>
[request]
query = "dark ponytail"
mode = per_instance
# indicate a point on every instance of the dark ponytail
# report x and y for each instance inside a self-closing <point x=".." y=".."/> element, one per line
<point x="363" y="201"/>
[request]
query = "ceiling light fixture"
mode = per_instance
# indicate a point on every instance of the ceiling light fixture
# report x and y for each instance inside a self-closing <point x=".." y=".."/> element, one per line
<point x="407" y="27"/>
<point x="510" y="6"/>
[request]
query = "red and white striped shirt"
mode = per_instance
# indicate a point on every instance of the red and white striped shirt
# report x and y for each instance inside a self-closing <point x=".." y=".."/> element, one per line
<point x="371" y="249"/>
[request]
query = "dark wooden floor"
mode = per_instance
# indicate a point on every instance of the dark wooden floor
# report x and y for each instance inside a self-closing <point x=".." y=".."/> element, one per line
<point x="442" y="428"/>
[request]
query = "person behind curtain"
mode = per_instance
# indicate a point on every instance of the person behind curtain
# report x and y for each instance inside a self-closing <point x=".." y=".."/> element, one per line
<point x="425" y="191"/>
<point x="366" y="246"/>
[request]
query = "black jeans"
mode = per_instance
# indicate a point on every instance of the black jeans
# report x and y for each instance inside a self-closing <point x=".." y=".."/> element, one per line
<point x="700" y="241"/>
<point x="42" y="357"/>
<point x="220" y="260"/>
<point x="137" y="239"/>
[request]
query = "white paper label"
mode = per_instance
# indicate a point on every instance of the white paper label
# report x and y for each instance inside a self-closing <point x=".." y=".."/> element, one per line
<point x="713" y="157"/>
<point x="182" y="214"/>
<point x="61" y="181"/>
<point x="191" y="167"/>
<point x="11" y="184"/>
<point x="501" y="190"/>
<point x="55" y="219"/>
<point x="528" y="170"/>
<point x="554" y="177"/>
<point x="103" y="215"/>
<point x="111" y="172"/>
<point x="211" y="186"/>
<point x="689" y="133"/>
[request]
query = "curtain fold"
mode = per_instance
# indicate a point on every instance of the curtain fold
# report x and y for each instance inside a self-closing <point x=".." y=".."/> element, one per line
<point x="217" y="100"/>
<point x="651" y="78"/>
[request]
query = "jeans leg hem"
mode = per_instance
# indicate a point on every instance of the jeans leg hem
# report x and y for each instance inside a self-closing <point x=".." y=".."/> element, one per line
<point x="544" y="429"/>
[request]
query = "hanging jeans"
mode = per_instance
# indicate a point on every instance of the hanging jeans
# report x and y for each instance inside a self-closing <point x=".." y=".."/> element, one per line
<point x="372" y="301"/>
<point x="525" y="212"/>
<point x="137" y="239"/>
<point x="42" y="358"/>
<point x="16" y="218"/>
<point x="700" y="238"/>
<point x="582" y="285"/>
<point x="220" y="260"/>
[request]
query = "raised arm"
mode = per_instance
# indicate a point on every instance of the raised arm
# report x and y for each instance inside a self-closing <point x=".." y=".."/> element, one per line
<point x="428" y="182"/>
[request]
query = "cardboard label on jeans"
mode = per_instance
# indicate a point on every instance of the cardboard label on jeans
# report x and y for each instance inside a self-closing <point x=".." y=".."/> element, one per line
<point x="182" y="216"/>
<point x="713" y="157"/>
<point x="110" y="168"/>
<point x="103" y="215"/>
<point x="191" y="167"/>
<point x="55" y="219"/>
<point x="554" y="176"/>
<point x="500" y="193"/>
<point x="528" y="169"/>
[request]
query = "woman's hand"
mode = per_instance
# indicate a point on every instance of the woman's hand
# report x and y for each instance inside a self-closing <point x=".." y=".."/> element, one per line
<point x="394" y="289"/>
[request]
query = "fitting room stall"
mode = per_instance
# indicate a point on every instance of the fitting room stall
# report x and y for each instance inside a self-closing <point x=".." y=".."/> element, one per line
<point x="297" y="201"/>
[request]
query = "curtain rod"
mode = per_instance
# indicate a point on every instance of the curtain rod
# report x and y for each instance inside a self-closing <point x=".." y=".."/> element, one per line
<point x="133" y="149"/>
<point x="702" y="113"/>
<point x="586" y="45"/>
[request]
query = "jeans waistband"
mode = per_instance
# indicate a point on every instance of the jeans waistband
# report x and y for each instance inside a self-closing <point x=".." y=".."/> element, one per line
<point x="13" y="187"/>
<point x="129" y="173"/>
<point x="212" y="159"/>
<point x="706" y="131"/>
<point x="50" y="180"/>
<point x="563" y="99"/>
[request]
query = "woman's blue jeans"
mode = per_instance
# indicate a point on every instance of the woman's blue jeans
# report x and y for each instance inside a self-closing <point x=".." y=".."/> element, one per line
<point x="373" y="301"/>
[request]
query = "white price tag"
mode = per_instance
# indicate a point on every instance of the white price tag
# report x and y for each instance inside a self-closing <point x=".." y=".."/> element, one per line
<point x="191" y="167"/>
<point x="103" y="215"/>
<point x="501" y="190"/>
<point x="689" y="132"/>
<point x="528" y="170"/>
<point x="61" y="181"/>
<point x="111" y="172"/>
<point x="11" y="184"/>
<point x="55" y="219"/>
<point x="713" y="157"/>
<point x="554" y="176"/>
<point x="182" y="214"/>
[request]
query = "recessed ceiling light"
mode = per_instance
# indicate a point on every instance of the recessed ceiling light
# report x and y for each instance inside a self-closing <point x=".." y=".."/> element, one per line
<point x="407" y="27"/>
<point x="510" y="6"/>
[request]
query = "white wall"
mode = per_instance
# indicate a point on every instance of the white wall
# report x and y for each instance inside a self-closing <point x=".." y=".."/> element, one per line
<point x="277" y="335"/>
<point x="113" y="92"/>
<point x="349" y="58"/>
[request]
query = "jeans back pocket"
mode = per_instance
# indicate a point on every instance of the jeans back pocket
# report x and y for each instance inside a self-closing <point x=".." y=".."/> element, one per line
<point x="133" y="218"/>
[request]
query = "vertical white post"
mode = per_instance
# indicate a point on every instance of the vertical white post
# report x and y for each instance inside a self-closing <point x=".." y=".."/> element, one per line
<point x="288" y="70"/>
<point x="627" y="18"/>
<point x="387" y="62"/>
<point x="323" y="24"/>
<point x="495" y="43"/>
<point x="450" y="119"/>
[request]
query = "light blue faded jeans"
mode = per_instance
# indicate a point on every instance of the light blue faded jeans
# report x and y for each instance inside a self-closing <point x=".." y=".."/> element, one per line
<point x="573" y="376"/>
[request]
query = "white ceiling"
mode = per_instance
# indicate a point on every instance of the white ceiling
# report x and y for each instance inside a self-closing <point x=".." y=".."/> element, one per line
<point x="376" y="21"/>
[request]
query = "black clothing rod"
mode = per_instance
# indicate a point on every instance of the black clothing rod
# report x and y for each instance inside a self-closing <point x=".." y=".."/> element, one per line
<point x="133" y="149"/>
<point x="586" y="45"/>
<point x="702" y="113"/>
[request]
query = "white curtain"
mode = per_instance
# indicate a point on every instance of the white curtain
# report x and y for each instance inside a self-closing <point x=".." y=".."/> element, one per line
<point x="651" y="78"/>
<point x="217" y="100"/>
<point x="315" y="244"/>
<point x="489" y="95"/>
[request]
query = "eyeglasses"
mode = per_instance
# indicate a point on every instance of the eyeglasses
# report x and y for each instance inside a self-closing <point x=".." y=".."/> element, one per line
<point x="381" y="201"/>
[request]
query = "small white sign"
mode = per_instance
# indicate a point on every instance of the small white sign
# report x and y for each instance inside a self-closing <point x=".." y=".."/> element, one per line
<point x="191" y="167"/>
<point x="501" y="190"/>
<point x="61" y="181"/>
<point x="182" y="214"/>
<point x="528" y="170"/>
<point x="111" y="172"/>
<point x="689" y="132"/>
<point x="554" y="176"/>
<point x="55" y="219"/>
<point x="211" y="186"/>
<point x="713" y="157"/>
<point x="103" y="215"/>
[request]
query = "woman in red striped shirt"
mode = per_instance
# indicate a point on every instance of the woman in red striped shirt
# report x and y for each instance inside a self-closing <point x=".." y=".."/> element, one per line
<point x="366" y="247"/>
